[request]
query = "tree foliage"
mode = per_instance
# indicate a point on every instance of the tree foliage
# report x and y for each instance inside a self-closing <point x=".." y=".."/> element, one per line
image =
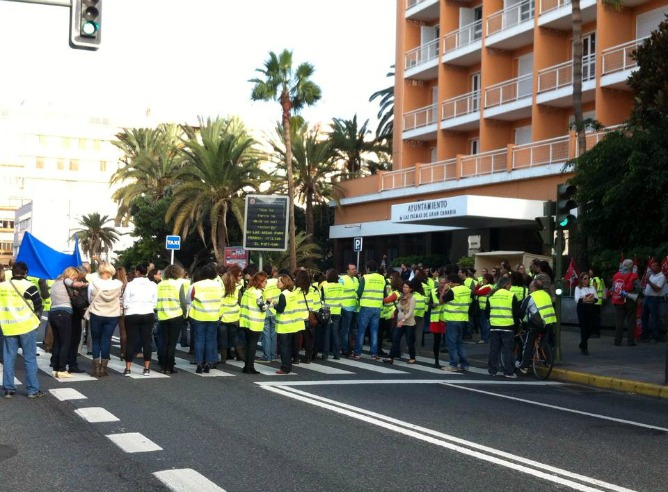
<point x="95" y="236"/>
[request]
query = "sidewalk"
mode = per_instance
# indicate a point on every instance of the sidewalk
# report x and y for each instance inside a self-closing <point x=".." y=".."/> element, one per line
<point x="639" y="369"/>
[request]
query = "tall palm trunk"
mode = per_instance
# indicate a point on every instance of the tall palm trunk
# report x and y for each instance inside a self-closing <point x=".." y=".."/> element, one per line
<point x="286" y="104"/>
<point x="310" y="218"/>
<point x="577" y="77"/>
<point x="221" y="237"/>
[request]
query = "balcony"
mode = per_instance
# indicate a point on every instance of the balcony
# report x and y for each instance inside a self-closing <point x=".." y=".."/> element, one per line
<point x="555" y="84"/>
<point x="510" y="100"/>
<point x="463" y="46"/>
<point x="618" y="64"/>
<point x="420" y="124"/>
<point x="422" y="10"/>
<point x="541" y="153"/>
<point x="512" y="27"/>
<point x="491" y="162"/>
<point x="556" y="14"/>
<point x="462" y="112"/>
<point x="422" y="62"/>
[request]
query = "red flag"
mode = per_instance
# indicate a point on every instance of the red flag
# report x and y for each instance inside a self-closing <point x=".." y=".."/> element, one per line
<point x="635" y="265"/>
<point x="664" y="267"/>
<point x="571" y="276"/>
<point x="645" y="277"/>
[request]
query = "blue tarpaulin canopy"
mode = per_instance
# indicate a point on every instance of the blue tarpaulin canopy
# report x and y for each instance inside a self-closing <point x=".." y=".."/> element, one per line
<point x="44" y="262"/>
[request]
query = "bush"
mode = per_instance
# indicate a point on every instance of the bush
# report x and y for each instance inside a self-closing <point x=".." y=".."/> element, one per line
<point x="431" y="261"/>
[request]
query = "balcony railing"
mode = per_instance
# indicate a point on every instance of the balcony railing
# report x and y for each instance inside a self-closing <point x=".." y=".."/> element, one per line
<point x="618" y="58"/>
<point x="508" y="91"/>
<point x="561" y="75"/>
<point x="413" y="3"/>
<point x="392" y="180"/>
<point x="420" y="117"/>
<point x="422" y="54"/>
<point x="541" y="153"/>
<point x="547" y="5"/>
<point x="461" y="105"/>
<point x="437" y="172"/>
<point x="485" y="163"/>
<point x="462" y="37"/>
<point x="510" y="17"/>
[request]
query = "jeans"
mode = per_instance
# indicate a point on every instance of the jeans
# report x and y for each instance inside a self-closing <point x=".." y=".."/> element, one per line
<point x="650" y="317"/>
<point x="368" y="317"/>
<point x="75" y="340"/>
<point x="204" y="338"/>
<point x="269" y="339"/>
<point x="28" y="342"/>
<point x="335" y="336"/>
<point x="61" y="325"/>
<point x="347" y="320"/>
<point x="453" y="334"/>
<point x="399" y="332"/>
<point x="501" y="343"/>
<point x="483" y="321"/>
<point x="102" y="328"/>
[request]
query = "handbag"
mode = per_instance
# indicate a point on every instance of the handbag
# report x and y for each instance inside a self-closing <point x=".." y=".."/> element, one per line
<point x="78" y="298"/>
<point x="324" y="315"/>
<point x="312" y="316"/>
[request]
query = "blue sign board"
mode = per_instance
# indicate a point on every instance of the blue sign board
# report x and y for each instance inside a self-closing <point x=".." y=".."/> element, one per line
<point x="173" y="242"/>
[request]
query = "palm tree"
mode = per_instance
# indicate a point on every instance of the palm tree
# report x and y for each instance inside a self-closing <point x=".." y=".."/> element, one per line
<point x="293" y="89"/>
<point x="385" y="128"/>
<point x="314" y="167"/>
<point x="351" y="144"/>
<point x="94" y="236"/>
<point x="221" y="164"/>
<point x="150" y="161"/>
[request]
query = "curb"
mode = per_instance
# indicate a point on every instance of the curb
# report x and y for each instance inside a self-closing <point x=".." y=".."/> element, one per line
<point x="606" y="382"/>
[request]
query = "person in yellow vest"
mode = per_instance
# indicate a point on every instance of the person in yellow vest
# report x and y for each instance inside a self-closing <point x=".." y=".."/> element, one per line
<point x="466" y="276"/>
<point x="388" y="312"/>
<point x="269" y="338"/>
<point x="229" y="316"/>
<point x="538" y="308"/>
<point x="436" y="323"/>
<point x="370" y="293"/>
<point x="332" y="295"/>
<point x="170" y="316"/>
<point x="456" y="300"/>
<point x="20" y="304"/>
<point x="289" y="322"/>
<point x="599" y="284"/>
<point x="349" y="307"/>
<point x="309" y="302"/>
<point x="251" y="317"/>
<point x="503" y="311"/>
<point x="206" y="299"/>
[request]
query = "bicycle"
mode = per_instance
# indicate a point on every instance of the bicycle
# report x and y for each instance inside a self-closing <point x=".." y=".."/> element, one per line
<point x="542" y="361"/>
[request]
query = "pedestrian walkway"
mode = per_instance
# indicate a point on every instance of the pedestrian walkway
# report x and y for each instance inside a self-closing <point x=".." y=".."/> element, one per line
<point x="640" y="369"/>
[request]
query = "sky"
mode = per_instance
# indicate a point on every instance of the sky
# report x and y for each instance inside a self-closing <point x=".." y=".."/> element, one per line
<point x="185" y="58"/>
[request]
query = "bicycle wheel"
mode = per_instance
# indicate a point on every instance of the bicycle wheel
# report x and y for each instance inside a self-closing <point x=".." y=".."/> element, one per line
<point x="543" y="361"/>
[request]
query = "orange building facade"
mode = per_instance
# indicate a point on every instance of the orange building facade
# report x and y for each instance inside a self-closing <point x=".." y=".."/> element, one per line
<point x="483" y="108"/>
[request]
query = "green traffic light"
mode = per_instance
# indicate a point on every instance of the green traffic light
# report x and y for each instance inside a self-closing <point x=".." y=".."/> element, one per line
<point x="89" y="28"/>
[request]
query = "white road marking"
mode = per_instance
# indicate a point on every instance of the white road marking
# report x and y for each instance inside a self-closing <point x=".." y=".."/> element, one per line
<point x="420" y="367"/>
<point x="96" y="414"/>
<point x="469" y="448"/>
<point x="261" y="368"/>
<point x="367" y="366"/>
<point x="497" y="382"/>
<point x="16" y="381"/>
<point x="133" y="442"/>
<point x="185" y="366"/>
<point x="186" y="480"/>
<point x="67" y="394"/>
<point x="321" y="368"/>
<point x="137" y="370"/>
<point x="430" y="362"/>
<point x="43" y="363"/>
<point x="563" y="409"/>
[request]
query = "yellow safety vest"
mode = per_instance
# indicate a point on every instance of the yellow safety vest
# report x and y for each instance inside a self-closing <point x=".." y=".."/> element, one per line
<point x="520" y="292"/>
<point x="482" y="300"/>
<point x="458" y="308"/>
<point x="230" y="309"/>
<point x="390" y="307"/>
<point x="501" y="309"/>
<point x="302" y="299"/>
<point x="350" y="285"/>
<point x="206" y="304"/>
<point x="436" y="307"/>
<point x="251" y="316"/>
<point x="169" y="306"/>
<point x="600" y="287"/>
<point x="16" y="318"/>
<point x="271" y="291"/>
<point x="333" y="296"/>
<point x="46" y="303"/>
<point x="420" y="305"/>
<point x="544" y="304"/>
<point x="374" y="288"/>
<point x="290" y="320"/>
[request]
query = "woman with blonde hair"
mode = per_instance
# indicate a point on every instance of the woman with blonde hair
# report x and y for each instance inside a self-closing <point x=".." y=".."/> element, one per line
<point x="104" y="296"/>
<point x="60" y="319"/>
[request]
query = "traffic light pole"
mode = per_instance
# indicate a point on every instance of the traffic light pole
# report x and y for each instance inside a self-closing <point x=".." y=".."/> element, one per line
<point x="558" y="250"/>
<point x="59" y="3"/>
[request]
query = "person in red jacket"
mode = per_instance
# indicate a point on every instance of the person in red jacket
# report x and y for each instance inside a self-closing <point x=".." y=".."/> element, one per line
<point x="625" y="282"/>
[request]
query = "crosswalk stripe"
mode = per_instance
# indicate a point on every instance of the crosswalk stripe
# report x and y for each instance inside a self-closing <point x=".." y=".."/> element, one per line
<point x="119" y="366"/>
<point x="367" y="366"/>
<point x="96" y="415"/>
<point x="43" y="362"/>
<point x="133" y="442"/>
<point x="321" y="368"/>
<point x="186" y="480"/>
<point x="420" y="367"/>
<point x="430" y="361"/>
<point x="185" y="366"/>
<point x="16" y="381"/>
<point x="262" y="369"/>
<point x="64" y="394"/>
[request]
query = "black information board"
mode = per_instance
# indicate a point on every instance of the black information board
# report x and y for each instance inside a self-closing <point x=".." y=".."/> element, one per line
<point x="266" y="223"/>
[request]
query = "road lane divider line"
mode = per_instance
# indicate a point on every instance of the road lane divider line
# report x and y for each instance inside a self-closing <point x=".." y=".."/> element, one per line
<point x="498" y="382"/>
<point x="186" y="480"/>
<point x="462" y="446"/>
<point x="95" y="415"/>
<point x="562" y="409"/>
<point x="133" y="442"/>
<point x="64" y="394"/>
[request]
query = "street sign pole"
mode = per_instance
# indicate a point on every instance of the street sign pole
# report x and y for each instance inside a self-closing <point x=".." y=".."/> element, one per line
<point x="559" y="249"/>
<point x="171" y="261"/>
<point x="357" y="247"/>
<point x="172" y="243"/>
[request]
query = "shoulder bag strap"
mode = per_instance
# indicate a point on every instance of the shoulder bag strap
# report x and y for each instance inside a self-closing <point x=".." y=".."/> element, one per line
<point x="25" y="301"/>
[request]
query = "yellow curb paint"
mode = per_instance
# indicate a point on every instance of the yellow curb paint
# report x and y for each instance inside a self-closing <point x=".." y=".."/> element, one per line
<point x="606" y="382"/>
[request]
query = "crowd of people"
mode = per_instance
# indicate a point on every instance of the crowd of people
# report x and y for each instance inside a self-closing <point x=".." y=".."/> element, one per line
<point x="220" y="313"/>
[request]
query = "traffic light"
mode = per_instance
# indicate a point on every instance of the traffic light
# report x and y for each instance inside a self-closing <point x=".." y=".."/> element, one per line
<point x="85" y="24"/>
<point x="546" y="230"/>
<point x="565" y="203"/>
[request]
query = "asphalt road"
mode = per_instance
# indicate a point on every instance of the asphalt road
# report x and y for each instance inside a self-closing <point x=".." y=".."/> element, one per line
<point x="412" y="429"/>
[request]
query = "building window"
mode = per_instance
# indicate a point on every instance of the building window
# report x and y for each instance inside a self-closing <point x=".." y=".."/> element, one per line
<point x="74" y="165"/>
<point x="103" y="166"/>
<point x="82" y="144"/>
<point x="67" y="143"/>
<point x="39" y="163"/>
<point x="97" y="145"/>
<point x="474" y="146"/>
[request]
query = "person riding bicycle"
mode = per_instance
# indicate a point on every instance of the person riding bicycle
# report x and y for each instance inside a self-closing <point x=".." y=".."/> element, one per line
<point x="540" y="314"/>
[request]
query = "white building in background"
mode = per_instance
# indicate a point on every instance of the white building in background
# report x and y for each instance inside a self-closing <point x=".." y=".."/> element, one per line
<point x="56" y="168"/>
